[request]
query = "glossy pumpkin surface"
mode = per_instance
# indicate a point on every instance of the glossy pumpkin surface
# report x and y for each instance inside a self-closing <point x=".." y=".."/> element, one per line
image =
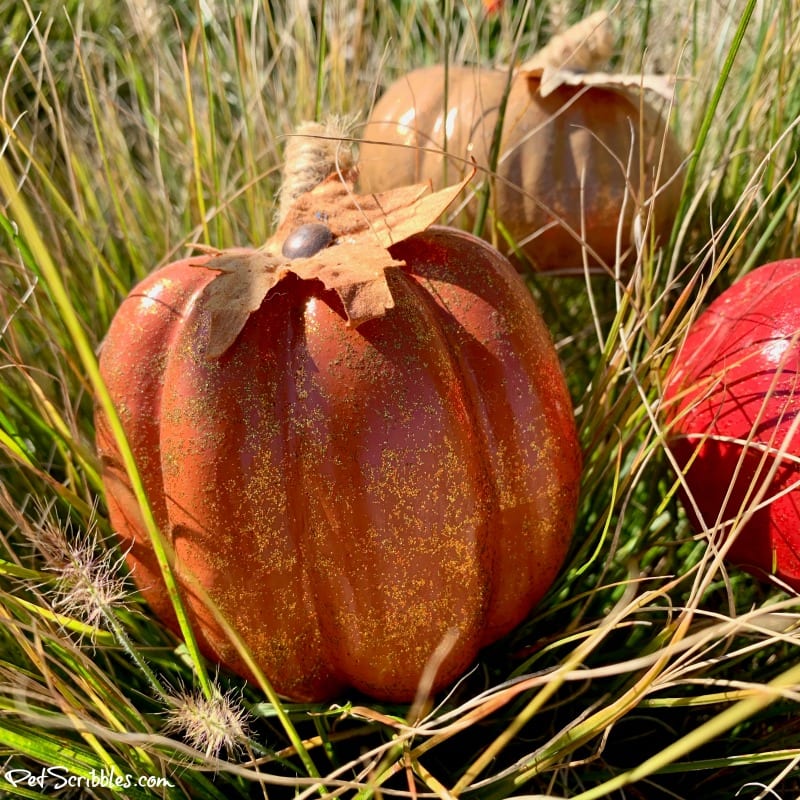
<point x="348" y="496"/>
<point x="733" y="398"/>
<point x="575" y="166"/>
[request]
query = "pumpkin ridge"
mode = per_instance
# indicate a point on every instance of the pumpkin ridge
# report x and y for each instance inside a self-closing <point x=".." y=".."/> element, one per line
<point x="295" y="417"/>
<point x="470" y="393"/>
<point x="214" y="455"/>
<point x="449" y="321"/>
<point x="293" y="604"/>
<point x="407" y="528"/>
<point x="155" y="311"/>
<point x="496" y="328"/>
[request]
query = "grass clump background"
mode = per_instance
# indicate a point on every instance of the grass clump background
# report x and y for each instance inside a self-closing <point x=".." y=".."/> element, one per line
<point x="133" y="130"/>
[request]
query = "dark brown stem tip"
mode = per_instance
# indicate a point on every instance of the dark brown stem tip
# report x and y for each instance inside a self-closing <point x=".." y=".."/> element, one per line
<point x="307" y="240"/>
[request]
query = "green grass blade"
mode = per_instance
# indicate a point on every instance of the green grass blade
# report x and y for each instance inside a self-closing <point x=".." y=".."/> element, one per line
<point x="63" y="302"/>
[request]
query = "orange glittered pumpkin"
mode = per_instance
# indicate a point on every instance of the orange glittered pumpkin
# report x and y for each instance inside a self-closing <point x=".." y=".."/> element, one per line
<point x="579" y="159"/>
<point x="357" y="439"/>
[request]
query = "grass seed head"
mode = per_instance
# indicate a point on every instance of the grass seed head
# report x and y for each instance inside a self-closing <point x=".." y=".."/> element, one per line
<point x="89" y="581"/>
<point x="209" y="724"/>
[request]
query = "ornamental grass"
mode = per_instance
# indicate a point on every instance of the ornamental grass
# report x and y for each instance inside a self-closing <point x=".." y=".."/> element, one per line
<point x="133" y="131"/>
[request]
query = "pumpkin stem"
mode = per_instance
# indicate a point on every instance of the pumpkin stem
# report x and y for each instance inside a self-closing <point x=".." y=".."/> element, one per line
<point x="314" y="151"/>
<point x="585" y="46"/>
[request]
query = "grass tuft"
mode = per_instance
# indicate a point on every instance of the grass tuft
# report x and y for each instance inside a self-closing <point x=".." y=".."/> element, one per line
<point x="89" y="584"/>
<point x="213" y="725"/>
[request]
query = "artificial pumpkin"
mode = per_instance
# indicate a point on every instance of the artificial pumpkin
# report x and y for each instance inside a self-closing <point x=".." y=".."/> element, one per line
<point x="357" y="439"/>
<point x="733" y="402"/>
<point x="580" y="157"/>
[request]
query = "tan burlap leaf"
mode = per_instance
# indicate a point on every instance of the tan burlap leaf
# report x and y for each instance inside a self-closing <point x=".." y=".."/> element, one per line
<point x="245" y="279"/>
<point x="354" y="265"/>
<point x="547" y="80"/>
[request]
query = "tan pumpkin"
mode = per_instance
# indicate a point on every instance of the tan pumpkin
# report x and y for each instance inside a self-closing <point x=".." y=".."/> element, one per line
<point x="579" y="158"/>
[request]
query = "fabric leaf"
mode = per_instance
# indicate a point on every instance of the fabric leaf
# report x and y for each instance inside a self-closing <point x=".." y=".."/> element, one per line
<point x="354" y="265"/>
<point x="548" y="79"/>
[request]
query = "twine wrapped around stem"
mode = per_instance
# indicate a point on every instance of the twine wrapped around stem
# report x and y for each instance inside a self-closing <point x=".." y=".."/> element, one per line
<point x="314" y="151"/>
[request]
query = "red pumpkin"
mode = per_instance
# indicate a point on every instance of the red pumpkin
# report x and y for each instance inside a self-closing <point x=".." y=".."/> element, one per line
<point x="733" y="400"/>
<point x="352" y="480"/>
